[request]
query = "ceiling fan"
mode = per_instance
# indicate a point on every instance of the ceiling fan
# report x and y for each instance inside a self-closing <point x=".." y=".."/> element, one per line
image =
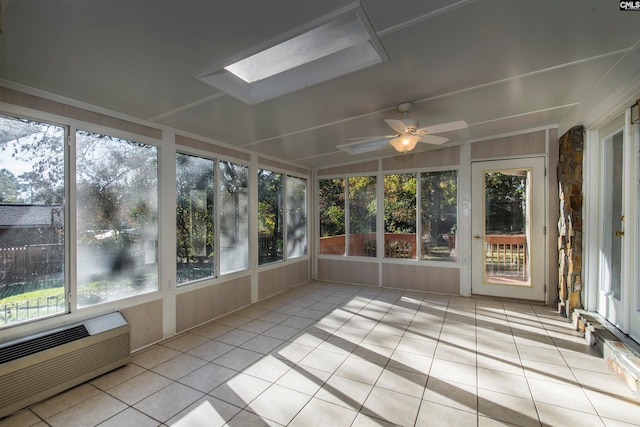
<point x="407" y="134"/>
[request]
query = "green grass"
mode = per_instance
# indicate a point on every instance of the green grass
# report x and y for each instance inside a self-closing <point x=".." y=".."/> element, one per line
<point x="41" y="294"/>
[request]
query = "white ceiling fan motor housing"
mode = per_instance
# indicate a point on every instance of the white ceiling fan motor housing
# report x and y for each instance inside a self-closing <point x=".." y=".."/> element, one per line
<point x="411" y="124"/>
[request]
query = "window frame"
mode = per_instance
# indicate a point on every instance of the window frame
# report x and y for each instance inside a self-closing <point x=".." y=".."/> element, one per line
<point x="72" y="310"/>
<point x="286" y="217"/>
<point x="215" y="217"/>
<point x="285" y="174"/>
<point x="218" y="159"/>
<point x="72" y="146"/>
<point x="380" y="174"/>
<point x="21" y="114"/>
<point x="247" y="267"/>
<point x="445" y="261"/>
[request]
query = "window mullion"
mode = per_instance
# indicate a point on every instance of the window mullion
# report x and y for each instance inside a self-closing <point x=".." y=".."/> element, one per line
<point x="347" y="218"/>
<point x="419" y="248"/>
<point x="71" y="234"/>
<point x="216" y="218"/>
<point x="285" y="215"/>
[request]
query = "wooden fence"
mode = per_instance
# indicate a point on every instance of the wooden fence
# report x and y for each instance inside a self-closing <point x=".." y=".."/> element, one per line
<point x="31" y="263"/>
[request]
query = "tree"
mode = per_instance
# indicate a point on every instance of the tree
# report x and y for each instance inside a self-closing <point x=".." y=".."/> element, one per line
<point x="9" y="187"/>
<point x="400" y="203"/>
<point x="270" y="212"/>
<point x="505" y="201"/>
<point x="332" y="207"/>
<point x="438" y="205"/>
<point x="194" y="207"/>
<point x="362" y="204"/>
<point x="116" y="210"/>
<point x="233" y="212"/>
<point x="296" y="216"/>
<point x="40" y="147"/>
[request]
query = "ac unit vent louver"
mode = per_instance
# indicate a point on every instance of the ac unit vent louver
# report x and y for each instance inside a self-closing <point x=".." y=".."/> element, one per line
<point x="35" y="345"/>
<point x="42" y="365"/>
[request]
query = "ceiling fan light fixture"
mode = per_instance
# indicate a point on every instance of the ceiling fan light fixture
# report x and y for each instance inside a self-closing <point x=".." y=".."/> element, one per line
<point x="405" y="143"/>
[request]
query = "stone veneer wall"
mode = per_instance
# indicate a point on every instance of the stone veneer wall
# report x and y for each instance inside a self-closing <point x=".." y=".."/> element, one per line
<point x="570" y="222"/>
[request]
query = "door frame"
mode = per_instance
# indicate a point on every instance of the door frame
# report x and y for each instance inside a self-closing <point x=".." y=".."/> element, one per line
<point x="633" y="228"/>
<point x="539" y="164"/>
<point x="629" y="322"/>
<point x="613" y="309"/>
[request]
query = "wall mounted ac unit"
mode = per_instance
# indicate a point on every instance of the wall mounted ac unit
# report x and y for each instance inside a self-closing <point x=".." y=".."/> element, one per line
<point x="44" y="364"/>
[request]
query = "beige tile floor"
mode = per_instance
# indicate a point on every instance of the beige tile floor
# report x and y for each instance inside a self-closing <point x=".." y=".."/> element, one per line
<point x="341" y="355"/>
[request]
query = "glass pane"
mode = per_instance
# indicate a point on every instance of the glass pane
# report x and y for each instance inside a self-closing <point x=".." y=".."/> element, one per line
<point x="117" y="218"/>
<point x="506" y="233"/>
<point x="331" y="195"/>
<point x="31" y="220"/>
<point x="615" y="210"/>
<point x="439" y="215"/>
<point x="400" y="216"/>
<point x="270" y="216"/>
<point x="234" y="217"/>
<point x="296" y="217"/>
<point x="194" y="218"/>
<point x="362" y="216"/>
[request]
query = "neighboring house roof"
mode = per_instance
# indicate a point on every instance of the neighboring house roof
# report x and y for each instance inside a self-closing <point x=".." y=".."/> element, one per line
<point x="30" y="216"/>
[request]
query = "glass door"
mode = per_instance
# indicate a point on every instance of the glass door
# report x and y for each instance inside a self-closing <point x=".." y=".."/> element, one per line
<point x="611" y="280"/>
<point x="508" y="211"/>
<point x="635" y="231"/>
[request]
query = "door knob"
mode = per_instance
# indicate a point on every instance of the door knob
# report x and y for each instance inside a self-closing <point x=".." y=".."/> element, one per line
<point x="476" y="237"/>
<point x="619" y="233"/>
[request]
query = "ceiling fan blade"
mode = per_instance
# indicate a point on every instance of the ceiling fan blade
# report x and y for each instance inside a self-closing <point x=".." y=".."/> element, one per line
<point x="364" y="146"/>
<point x="445" y="127"/>
<point x="361" y="138"/>
<point x="434" y="139"/>
<point x="397" y="125"/>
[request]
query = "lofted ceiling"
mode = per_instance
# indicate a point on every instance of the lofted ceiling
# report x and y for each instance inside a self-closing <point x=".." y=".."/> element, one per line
<point x="500" y="65"/>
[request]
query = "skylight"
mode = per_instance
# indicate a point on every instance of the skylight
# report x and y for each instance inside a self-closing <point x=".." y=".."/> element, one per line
<point x="335" y="45"/>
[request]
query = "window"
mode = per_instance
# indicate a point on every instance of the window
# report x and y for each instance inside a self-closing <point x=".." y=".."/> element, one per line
<point x="362" y="216"/>
<point x="270" y="216"/>
<point x="400" y="216"/>
<point x="116" y="211"/>
<point x="361" y="219"/>
<point x="296" y="217"/>
<point x="439" y="215"/>
<point x="234" y="217"/>
<point x="432" y="238"/>
<point x="194" y="218"/>
<point x="32" y="220"/>
<point x="331" y="195"/>
<point x="277" y="194"/>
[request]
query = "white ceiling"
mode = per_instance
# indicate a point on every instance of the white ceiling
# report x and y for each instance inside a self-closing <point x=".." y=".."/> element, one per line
<point x="500" y="65"/>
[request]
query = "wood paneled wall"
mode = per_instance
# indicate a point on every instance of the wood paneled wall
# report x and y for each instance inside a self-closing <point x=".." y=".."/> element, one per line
<point x="212" y="148"/>
<point x="443" y="157"/>
<point x="201" y="305"/>
<point x="279" y="165"/>
<point x="275" y="280"/>
<point x="348" y="271"/>
<point x="365" y="167"/>
<point x="22" y="99"/>
<point x="421" y="278"/>
<point x="145" y="321"/>
<point x="510" y="146"/>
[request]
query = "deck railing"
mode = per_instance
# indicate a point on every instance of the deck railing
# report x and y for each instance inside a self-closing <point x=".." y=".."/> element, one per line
<point x="396" y="245"/>
<point x="506" y="255"/>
